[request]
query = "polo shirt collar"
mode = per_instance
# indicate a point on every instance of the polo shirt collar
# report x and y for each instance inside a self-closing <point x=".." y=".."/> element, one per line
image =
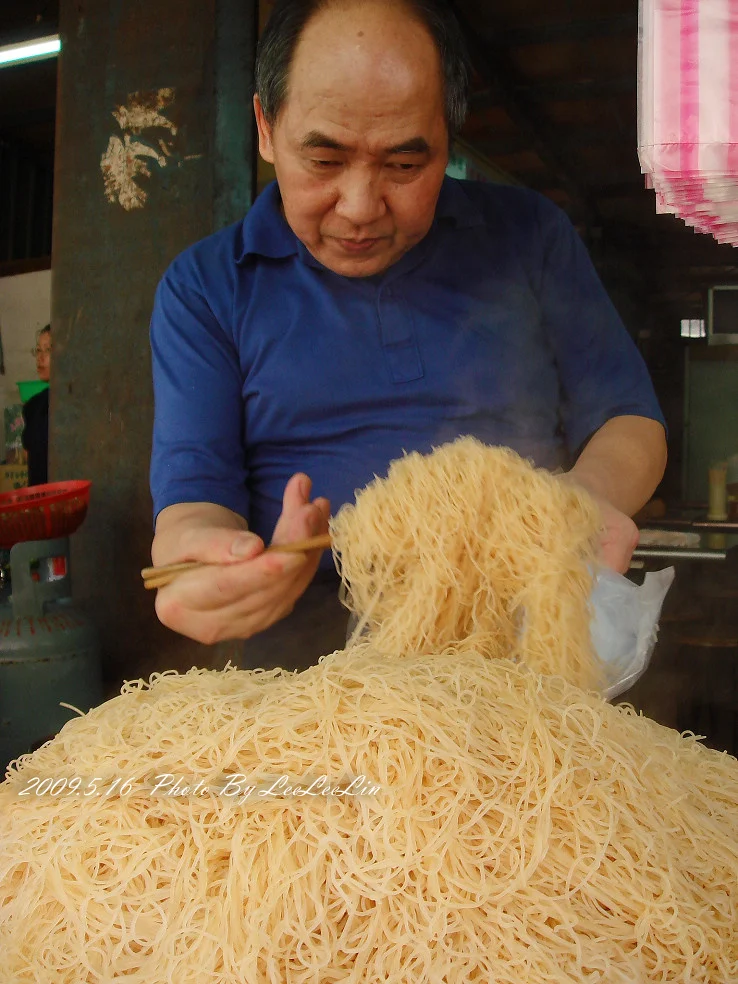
<point x="265" y="231"/>
<point x="454" y="205"/>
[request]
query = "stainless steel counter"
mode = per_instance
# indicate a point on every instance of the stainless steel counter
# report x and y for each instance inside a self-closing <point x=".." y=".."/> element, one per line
<point x="717" y="541"/>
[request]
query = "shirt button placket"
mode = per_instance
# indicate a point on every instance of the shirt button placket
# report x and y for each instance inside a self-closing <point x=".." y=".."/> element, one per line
<point x="399" y="340"/>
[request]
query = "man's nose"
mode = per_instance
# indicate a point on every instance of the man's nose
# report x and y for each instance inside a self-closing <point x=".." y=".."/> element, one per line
<point x="360" y="199"/>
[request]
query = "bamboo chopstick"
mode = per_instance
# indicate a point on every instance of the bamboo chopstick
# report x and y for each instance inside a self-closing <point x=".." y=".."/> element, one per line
<point x="159" y="577"/>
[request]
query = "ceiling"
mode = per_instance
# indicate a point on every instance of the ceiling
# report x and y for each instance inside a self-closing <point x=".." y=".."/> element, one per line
<point x="28" y="92"/>
<point x="27" y="113"/>
<point x="554" y="105"/>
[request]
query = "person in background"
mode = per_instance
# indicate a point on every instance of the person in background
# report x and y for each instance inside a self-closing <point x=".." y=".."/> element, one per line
<point x="36" y="415"/>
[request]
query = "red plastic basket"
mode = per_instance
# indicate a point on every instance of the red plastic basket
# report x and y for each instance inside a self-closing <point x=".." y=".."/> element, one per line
<point x="42" y="512"/>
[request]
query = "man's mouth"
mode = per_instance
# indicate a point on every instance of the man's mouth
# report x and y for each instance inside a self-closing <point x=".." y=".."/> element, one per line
<point x="358" y="245"/>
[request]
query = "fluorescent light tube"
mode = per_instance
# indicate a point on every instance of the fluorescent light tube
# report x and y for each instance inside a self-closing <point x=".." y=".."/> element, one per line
<point x="13" y="54"/>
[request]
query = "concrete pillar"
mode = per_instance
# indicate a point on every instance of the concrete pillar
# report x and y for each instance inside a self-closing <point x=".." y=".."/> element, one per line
<point x="155" y="150"/>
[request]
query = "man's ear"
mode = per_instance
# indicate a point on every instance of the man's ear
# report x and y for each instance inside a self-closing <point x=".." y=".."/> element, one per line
<point x="266" y="148"/>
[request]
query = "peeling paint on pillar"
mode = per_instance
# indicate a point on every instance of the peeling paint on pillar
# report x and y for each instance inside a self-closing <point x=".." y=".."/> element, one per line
<point x="127" y="57"/>
<point x="142" y="111"/>
<point x="125" y="160"/>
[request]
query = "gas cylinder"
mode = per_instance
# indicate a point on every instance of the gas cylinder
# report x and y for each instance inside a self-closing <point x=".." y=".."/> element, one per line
<point x="49" y="651"/>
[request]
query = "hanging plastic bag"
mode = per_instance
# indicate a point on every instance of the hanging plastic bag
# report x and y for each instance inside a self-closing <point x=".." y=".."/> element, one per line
<point x="688" y="111"/>
<point x="625" y="620"/>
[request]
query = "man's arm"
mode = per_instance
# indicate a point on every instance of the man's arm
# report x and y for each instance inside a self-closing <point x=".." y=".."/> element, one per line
<point x="621" y="465"/>
<point x="624" y="462"/>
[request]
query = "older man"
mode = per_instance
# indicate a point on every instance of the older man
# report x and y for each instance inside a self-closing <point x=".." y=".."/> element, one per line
<point x="369" y="305"/>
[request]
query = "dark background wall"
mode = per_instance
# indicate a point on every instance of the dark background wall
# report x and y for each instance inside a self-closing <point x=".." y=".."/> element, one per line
<point x="107" y="260"/>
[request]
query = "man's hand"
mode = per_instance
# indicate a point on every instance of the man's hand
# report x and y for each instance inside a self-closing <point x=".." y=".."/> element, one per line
<point x="618" y="539"/>
<point x="618" y="533"/>
<point x="246" y="590"/>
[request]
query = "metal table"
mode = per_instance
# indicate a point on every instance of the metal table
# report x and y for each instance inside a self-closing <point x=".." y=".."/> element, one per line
<point x="718" y="541"/>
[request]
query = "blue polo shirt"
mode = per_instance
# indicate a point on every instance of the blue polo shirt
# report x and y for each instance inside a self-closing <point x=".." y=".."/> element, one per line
<point x="266" y="363"/>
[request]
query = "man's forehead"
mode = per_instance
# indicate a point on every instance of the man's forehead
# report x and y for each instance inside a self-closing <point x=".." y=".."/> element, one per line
<point x="354" y="18"/>
<point x="380" y="82"/>
<point x="334" y="111"/>
<point x="343" y="41"/>
<point x="317" y="140"/>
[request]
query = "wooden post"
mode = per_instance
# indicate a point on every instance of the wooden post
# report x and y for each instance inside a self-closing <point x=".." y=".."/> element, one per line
<point x="155" y="150"/>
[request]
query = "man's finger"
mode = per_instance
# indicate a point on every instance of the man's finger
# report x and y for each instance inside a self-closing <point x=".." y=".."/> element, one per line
<point x="296" y="494"/>
<point x="233" y="603"/>
<point x="324" y="506"/>
<point x="219" y="546"/>
<point x="224" y="584"/>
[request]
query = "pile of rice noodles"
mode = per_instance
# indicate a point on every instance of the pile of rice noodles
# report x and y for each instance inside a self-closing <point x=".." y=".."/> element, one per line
<point x="508" y="829"/>
<point x="461" y="816"/>
<point x="471" y="545"/>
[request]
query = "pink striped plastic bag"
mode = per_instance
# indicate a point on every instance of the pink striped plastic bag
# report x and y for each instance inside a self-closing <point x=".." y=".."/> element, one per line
<point x="688" y="110"/>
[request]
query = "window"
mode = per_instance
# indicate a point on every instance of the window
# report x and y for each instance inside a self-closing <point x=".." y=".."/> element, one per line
<point x="693" y="328"/>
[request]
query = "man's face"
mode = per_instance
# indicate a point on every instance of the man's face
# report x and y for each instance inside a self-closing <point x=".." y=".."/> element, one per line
<point x="360" y="145"/>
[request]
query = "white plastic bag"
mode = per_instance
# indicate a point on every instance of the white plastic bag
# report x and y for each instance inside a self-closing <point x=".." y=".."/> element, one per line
<point x="624" y="626"/>
<point x="625" y="621"/>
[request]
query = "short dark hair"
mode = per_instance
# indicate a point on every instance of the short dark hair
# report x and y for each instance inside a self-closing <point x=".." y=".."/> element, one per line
<point x="290" y="17"/>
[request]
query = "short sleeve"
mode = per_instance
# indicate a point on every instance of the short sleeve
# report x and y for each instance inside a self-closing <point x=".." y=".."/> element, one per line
<point x="198" y="445"/>
<point x="602" y="374"/>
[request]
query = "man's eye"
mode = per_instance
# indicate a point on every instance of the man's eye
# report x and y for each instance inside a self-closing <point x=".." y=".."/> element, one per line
<point x="326" y="164"/>
<point x="404" y="166"/>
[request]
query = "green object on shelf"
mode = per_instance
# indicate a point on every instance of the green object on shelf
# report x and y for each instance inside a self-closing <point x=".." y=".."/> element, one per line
<point x="30" y="387"/>
<point x="13" y="418"/>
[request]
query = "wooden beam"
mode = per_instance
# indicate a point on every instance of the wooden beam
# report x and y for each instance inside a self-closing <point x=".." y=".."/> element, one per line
<point x="570" y="138"/>
<point x="575" y="89"/>
<point x="11" y="268"/>
<point x="499" y="74"/>
<point x="572" y="30"/>
<point x="22" y="119"/>
<point x="559" y="90"/>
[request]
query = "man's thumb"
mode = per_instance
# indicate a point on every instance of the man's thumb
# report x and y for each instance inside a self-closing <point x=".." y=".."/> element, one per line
<point x="221" y="546"/>
<point x="296" y="494"/>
